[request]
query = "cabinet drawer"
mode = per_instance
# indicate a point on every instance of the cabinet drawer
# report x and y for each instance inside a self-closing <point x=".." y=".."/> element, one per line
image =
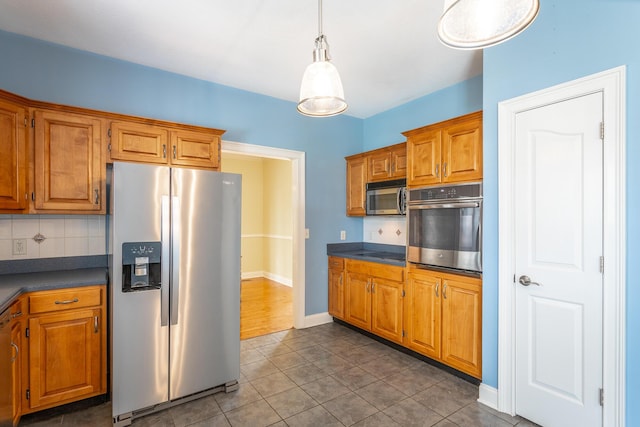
<point x="336" y="262"/>
<point x="67" y="299"/>
<point x="383" y="271"/>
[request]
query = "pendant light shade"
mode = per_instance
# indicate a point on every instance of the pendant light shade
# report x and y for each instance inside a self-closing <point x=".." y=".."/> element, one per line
<point x="321" y="93"/>
<point x="476" y="24"/>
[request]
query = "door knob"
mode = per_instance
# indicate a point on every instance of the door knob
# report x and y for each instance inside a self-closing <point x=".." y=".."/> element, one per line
<point x="526" y="281"/>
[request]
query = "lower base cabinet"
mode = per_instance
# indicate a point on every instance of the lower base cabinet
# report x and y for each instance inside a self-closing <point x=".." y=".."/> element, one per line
<point x="65" y="340"/>
<point x="443" y="318"/>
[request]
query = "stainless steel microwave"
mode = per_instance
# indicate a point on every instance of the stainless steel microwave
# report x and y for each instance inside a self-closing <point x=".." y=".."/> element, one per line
<point x="386" y="197"/>
<point x="445" y="227"/>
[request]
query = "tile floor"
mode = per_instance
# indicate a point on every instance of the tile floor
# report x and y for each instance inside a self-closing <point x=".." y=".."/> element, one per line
<point x="328" y="375"/>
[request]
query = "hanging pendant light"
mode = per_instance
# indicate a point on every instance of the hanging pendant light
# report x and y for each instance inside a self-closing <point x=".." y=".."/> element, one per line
<point x="321" y="93"/>
<point x="476" y="24"/>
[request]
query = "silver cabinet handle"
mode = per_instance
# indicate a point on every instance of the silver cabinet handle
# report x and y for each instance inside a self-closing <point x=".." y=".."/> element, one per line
<point x="373" y="287"/>
<point x="95" y="324"/>
<point x="341" y="280"/>
<point x="438" y="170"/>
<point x="444" y="169"/>
<point x="97" y="195"/>
<point x="164" y="151"/>
<point x="444" y="291"/>
<point x="437" y="286"/>
<point x="526" y="281"/>
<point x="175" y="153"/>
<point x="17" y="351"/>
<point x="16" y="314"/>
<point x="68" y="301"/>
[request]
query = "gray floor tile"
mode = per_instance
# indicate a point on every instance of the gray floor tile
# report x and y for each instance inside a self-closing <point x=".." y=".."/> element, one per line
<point x="304" y="374"/>
<point x="379" y="419"/>
<point x="413" y="380"/>
<point x="381" y="395"/>
<point x="272" y="384"/>
<point x="349" y="408"/>
<point x="442" y="400"/>
<point x="96" y="416"/>
<point x="288" y="360"/>
<point x="474" y="416"/>
<point x="332" y="364"/>
<point x="276" y="349"/>
<point x="217" y="421"/>
<point x="39" y="421"/>
<point x="446" y="423"/>
<point x="255" y="414"/>
<point x="251" y="355"/>
<point x="324" y="389"/>
<point x="355" y="378"/>
<point x="314" y="417"/>
<point x="159" y="419"/>
<point x="381" y="367"/>
<point x="409" y="413"/>
<point x="245" y="394"/>
<point x="291" y="402"/>
<point x="314" y="352"/>
<point x="197" y="410"/>
<point x="258" y="369"/>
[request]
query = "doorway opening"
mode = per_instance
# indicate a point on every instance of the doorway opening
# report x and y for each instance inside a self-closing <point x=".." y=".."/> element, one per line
<point x="272" y="291"/>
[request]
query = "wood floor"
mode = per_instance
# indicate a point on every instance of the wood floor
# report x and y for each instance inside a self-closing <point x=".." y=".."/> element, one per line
<point x="265" y="307"/>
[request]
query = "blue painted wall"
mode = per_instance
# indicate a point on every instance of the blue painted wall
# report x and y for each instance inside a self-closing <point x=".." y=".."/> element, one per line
<point x="569" y="39"/>
<point x="47" y="72"/>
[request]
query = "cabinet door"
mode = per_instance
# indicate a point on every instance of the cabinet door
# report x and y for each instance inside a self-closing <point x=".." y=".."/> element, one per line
<point x="379" y="166"/>
<point x="386" y="306"/>
<point x="197" y="149"/>
<point x="16" y="370"/>
<point x="358" y="300"/>
<point x="356" y="181"/>
<point x="423" y="152"/>
<point x="462" y="150"/>
<point x="138" y="142"/>
<point x="399" y="162"/>
<point x="68" y="162"/>
<point x="423" y="314"/>
<point x="462" y="325"/>
<point x="65" y="357"/>
<point x="13" y="161"/>
<point x="336" y="287"/>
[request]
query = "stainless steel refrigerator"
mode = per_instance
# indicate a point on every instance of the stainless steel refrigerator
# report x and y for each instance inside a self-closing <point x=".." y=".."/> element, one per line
<point x="174" y="264"/>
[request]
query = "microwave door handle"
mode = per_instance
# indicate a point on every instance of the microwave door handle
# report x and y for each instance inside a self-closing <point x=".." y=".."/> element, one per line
<point x="399" y="199"/>
<point x="447" y="206"/>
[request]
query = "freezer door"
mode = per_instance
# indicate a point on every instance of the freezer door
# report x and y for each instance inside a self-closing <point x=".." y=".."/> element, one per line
<point x="140" y="342"/>
<point x="205" y="295"/>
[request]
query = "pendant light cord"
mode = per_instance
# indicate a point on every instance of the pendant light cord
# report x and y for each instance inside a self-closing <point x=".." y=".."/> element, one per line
<point x="319" y="18"/>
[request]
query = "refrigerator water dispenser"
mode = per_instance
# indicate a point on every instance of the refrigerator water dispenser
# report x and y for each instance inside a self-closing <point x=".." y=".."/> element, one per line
<point x="141" y="263"/>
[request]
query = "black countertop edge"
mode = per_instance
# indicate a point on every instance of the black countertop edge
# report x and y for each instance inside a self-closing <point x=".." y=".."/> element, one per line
<point x="37" y="265"/>
<point x="14" y="285"/>
<point x="374" y="252"/>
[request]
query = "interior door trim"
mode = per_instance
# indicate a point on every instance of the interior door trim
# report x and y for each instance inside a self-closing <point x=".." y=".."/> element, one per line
<point x="613" y="84"/>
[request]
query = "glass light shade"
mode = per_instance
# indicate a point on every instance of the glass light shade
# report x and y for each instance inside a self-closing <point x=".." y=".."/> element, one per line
<point x="476" y="24"/>
<point x="321" y="93"/>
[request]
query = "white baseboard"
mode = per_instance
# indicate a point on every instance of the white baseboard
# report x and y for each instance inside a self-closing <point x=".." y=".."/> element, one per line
<point x="256" y="274"/>
<point x="488" y="396"/>
<point x="317" y="319"/>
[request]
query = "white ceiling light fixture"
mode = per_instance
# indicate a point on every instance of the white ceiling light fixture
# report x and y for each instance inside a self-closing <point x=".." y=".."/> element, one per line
<point x="321" y="93"/>
<point x="476" y="24"/>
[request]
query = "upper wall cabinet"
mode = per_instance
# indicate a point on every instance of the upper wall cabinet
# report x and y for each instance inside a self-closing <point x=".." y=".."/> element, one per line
<point x="356" y="182"/>
<point x="177" y="145"/>
<point x="68" y="166"/>
<point x="445" y="152"/>
<point x="13" y="160"/>
<point x="388" y="163"/>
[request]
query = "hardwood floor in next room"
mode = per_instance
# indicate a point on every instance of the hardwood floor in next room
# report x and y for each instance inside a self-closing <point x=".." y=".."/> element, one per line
<point x="266" y="306"/>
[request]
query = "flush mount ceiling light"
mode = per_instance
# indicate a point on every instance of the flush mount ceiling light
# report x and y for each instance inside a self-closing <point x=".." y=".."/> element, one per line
<point x="321" y="93"/>
<point x="476" y="24"/>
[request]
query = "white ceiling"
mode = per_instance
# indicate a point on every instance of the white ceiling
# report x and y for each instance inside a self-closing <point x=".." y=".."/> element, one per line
<point x="386" y="51"/>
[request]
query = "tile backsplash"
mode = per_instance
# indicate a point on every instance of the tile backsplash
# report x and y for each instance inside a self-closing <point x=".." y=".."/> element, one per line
<point x="390" y="230"/>
<point x="59" y="236"/>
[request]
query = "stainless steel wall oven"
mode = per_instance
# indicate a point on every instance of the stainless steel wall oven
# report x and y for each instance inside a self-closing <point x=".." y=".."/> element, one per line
<point x="445" y="227"/>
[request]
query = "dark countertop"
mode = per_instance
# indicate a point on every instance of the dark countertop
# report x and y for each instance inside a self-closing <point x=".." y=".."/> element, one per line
<point x="14" y="284"/>
<point x="374" y="252"/>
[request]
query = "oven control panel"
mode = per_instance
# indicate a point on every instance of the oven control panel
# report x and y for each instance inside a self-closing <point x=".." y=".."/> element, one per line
<point x="460" y="191"/>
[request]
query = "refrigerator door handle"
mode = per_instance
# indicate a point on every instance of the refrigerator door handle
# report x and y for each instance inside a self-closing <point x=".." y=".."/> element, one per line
<point x="175" y="258"/>
<point x="165" y="219"/>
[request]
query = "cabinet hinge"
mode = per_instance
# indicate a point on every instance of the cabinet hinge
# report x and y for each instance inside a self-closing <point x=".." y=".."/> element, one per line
<point x="33" y="123"/>
<point x="109" y="147"/>
<point x="26" y="122"/>
<point x="26" y="332"/>
<point x="403" y="293"/>
<point x="33" y="196"/>
<point x="601" y="397"/>
<point x="109" y="133"/>
<point x="602" y="131"/>
<point x="601" y="264"/>
<point x="403" y="333"/>
<point x="28" y="394"/>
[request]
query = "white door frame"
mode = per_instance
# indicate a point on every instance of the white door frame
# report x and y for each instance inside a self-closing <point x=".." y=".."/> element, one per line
<point x="613" y="85"/>
<point x="297" y="159"/>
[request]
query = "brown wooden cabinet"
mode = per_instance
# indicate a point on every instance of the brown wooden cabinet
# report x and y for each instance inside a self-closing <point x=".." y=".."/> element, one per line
<point x="69" y="169"/>
<point x="444" y="318"/>
<point x="155" y="143"/>
<point x="16" y="360"/>
<point x="66" y="347"/>
<point x="445" y="152"/>
<point x="373" y="298"/>
<point x="336" y="287"/>
<point x="356" y="184"/>
<point x="13" y="160"/>
<point x="387" y="163"/>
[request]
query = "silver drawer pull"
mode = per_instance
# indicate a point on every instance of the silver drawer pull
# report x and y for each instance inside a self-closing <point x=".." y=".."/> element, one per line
<point x="17" y="352"/>
<point x="68" y="301"/>
<point x="16" y="314"/>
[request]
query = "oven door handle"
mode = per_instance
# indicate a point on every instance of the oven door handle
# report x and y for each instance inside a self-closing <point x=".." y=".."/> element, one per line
<point x="447" y="205"/>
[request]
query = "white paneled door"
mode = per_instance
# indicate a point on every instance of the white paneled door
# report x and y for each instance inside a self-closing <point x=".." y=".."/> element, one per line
<point x="558" y="248"/>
